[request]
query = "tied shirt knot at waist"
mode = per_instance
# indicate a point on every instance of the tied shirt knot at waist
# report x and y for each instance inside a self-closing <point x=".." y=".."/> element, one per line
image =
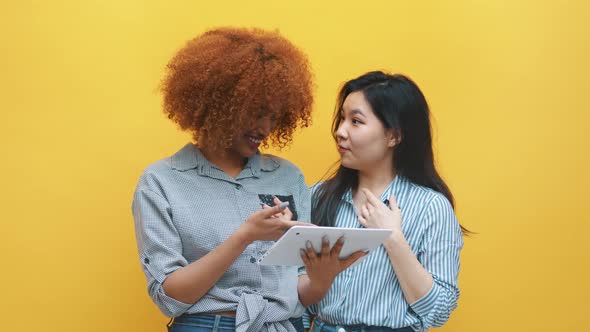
<point x="254" y="313"/>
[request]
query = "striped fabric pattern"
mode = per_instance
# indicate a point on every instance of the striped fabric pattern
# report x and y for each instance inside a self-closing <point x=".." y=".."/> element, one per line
<point x="370" y="294"/>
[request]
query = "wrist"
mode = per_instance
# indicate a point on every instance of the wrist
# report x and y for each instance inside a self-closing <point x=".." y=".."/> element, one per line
<point x="242" y="236"/>
<point x="320" y="288"/>
<point x="312" y="292"/>
<point x="395" y="239"/>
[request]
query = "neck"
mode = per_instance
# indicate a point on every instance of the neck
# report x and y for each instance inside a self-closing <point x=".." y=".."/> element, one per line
<point x="231" y="163"/>
<point x="377" y="178"/>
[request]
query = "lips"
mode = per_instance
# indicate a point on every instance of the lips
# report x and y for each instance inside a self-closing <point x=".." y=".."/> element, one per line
<point x="253" y="141"/>
<point x="342" y="149"/>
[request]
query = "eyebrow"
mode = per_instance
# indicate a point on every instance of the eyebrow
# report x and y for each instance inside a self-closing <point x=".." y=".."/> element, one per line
<point x="356" y="111"/>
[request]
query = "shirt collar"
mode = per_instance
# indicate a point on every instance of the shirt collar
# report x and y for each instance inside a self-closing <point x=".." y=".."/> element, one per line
<point x="190" y="157"/>
<point x="394" y="187"/>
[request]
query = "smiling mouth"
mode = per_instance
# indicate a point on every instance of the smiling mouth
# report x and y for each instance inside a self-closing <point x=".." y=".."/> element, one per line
<point x="254" y="140"/>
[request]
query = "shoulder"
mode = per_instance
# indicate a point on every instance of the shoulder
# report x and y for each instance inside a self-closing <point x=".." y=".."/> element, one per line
<point x="314" y="187"/>
<point x="428" y="203"/>
<point x="427" y="197"/>
<point x="437" y="210"/>
<point x="163" y="165"/>
<point x="155" y="174"/>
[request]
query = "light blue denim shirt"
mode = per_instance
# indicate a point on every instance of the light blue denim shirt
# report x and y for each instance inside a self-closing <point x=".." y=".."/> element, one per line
<point x="184" y="207"/>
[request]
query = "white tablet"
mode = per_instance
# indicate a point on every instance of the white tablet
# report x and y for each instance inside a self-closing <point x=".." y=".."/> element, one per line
<point x="286" y="250"/>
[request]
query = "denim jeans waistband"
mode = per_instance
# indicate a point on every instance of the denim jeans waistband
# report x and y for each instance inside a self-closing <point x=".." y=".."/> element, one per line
<point x="325" y="327"/>
<point x="220" y="322"/>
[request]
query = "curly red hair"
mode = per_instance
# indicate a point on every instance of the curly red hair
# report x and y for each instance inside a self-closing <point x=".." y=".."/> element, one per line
<point x="225" y="78"/>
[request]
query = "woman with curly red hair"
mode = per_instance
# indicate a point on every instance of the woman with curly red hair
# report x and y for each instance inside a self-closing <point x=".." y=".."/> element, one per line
<point x="199" y="223"/>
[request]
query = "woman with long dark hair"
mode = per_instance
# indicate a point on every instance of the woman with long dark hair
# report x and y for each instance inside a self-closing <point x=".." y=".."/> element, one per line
<point x="387" y="179"/>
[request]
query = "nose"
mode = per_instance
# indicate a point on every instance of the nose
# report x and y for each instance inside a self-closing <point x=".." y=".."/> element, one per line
<point x="265" y="125"/>
<point x="341" y="133"/>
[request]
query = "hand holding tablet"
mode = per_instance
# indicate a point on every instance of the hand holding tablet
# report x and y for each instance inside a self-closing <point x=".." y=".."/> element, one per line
<point x="286" y="251"/>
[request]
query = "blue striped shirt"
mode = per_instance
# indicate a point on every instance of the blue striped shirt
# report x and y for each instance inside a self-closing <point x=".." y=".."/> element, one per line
<point x="370" y="293"/>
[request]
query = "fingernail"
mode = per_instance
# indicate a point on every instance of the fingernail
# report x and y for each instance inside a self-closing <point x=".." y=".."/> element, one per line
<point x="302" y="252"/>
<point x="284" y="205"/>
<point x="308" y="244"/>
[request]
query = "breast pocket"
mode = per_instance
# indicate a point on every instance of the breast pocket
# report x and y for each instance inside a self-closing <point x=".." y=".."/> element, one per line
<point x="268" y="200"/>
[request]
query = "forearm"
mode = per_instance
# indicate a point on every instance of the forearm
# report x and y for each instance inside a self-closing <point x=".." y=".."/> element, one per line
<point x="190" y="283"/>
<point x="414" y="279"/>
<point x="309" y="293"/>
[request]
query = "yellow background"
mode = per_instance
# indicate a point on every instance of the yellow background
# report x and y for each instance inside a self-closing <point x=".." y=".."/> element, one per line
<point x="507" y="82"/>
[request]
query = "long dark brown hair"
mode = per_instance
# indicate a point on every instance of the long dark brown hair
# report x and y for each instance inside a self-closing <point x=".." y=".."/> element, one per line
<point x="399" y="104"/>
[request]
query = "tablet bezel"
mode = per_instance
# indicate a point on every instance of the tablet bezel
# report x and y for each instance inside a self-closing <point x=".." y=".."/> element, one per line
<point x="286" y="250"/>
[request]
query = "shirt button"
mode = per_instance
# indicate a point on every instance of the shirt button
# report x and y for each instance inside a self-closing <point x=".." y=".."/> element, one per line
<point x="341" y="329"/>
<point x="238" y="186"/>
<point x="146" y="260"/>
<point x="252" y="260"/>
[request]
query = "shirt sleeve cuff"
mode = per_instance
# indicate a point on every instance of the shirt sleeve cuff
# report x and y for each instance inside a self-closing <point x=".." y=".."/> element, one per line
<point x="170" y="306"/>
<point x="426" y="303"/>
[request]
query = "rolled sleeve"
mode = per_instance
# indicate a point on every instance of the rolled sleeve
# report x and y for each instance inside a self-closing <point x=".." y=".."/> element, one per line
<point x="440" y="256"/>
<point x="159" y="246"/>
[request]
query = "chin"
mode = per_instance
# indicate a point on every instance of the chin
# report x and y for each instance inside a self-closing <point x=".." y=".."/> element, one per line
<point x="247" y="153"/>
<point x="346" y="163"/>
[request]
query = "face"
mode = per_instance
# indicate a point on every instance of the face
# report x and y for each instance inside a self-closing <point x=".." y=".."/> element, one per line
<point x="363" y="141"/>
<point x="246" y="143"/>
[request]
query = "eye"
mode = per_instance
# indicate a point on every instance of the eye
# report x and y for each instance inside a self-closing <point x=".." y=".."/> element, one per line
<point x="356" y="121"/>
<point x="262" y="116"/>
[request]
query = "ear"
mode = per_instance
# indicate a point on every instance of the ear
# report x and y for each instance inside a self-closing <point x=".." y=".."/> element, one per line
<point x="393" y="137"/>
